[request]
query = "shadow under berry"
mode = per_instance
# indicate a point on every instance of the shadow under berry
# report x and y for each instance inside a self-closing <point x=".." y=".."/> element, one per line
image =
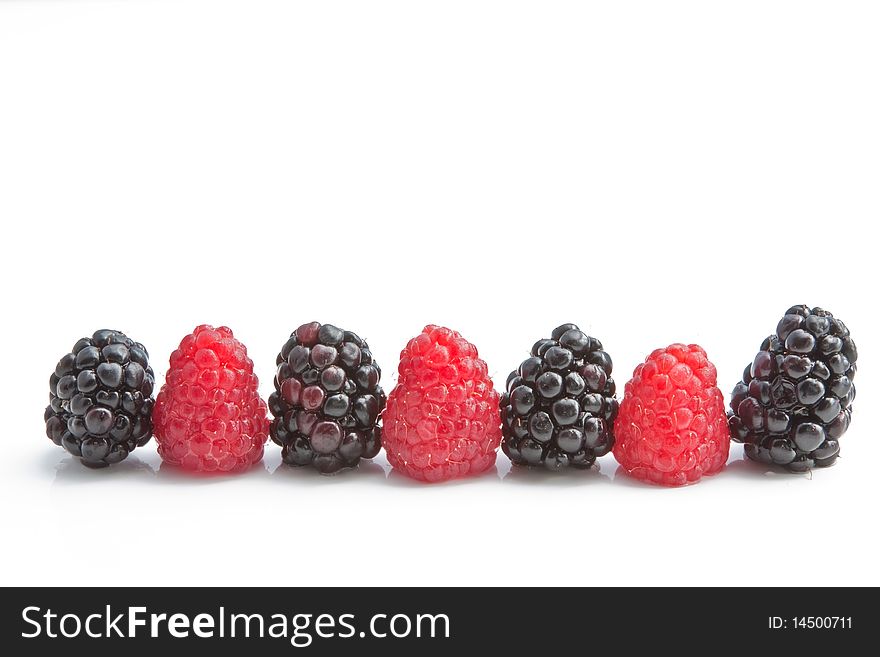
<point x="746" y="468"/>
<point x="69" y="471"/>
<point x="169" y="472"/>
<point x="396" y="478"/>
<point x="366" y="470"/>
<point x="568" y="478"/>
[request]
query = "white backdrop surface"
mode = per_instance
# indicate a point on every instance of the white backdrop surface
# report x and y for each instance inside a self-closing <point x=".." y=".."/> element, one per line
<point x="655" y="172"/>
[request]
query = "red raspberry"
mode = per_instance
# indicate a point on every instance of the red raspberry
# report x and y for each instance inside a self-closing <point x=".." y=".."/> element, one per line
<point x="209" y="415"/>
<point x="672" y="428"/>
<point x="442" y="420"/>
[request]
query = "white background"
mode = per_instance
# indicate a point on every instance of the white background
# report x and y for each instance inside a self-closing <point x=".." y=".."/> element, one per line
<point x="655" y="172"/>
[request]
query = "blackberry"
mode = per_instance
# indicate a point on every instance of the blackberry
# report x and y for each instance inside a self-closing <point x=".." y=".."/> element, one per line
<point x="559" y="408"/>
<point x="100" y="399"/>
<point x="327" y="400"/>
<point x="795" y="399"/>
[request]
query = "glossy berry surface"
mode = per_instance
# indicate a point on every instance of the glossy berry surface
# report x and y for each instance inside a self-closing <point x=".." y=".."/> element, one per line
<point x="327" y="400"/>
<point x="559" y="408"/>
<point x="100" y="399"/>
<point x="795" y="399"/>
<point x="672" y="428"/>
<point x="209" y="416"/>
<point x="442" y="419"/>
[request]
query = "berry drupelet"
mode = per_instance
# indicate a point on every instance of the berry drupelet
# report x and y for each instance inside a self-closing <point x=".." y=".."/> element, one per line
<point x="327" y="400"/>
<point x="442" y="420"/>
<point x="209" y="416"/>
<point x="559" y="408"/>
<point x="100" y="399"/>
<point x="795" y="399"/>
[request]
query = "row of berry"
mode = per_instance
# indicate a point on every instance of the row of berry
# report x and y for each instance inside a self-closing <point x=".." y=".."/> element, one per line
<point x="444" y="419"/>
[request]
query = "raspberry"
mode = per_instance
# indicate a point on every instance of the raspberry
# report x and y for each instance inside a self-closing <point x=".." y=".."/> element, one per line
<point x="100" y="399"/>
<point x="208" y="415"/>
<point x="559" y="408"/>
<point x="672" y="429"/>
<point x="442" y="419"/>
<point x="795" y="399"/>
<point x="327" y="399"/>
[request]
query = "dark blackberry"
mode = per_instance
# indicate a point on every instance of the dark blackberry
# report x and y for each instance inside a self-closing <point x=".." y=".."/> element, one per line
<point x="795" y="400"/>
<point x="100" y="400"/>
<point x="327" y="400"/>
<point x="559" y="408"/>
